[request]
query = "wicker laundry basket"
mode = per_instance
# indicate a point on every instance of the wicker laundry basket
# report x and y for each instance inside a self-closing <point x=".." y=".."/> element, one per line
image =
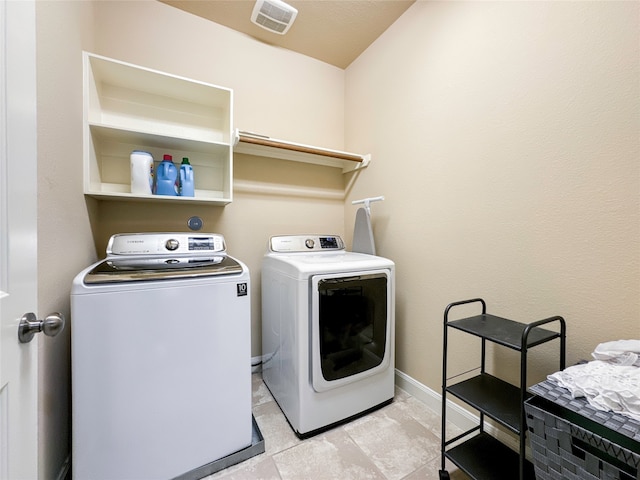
<point x="571" y="440"/>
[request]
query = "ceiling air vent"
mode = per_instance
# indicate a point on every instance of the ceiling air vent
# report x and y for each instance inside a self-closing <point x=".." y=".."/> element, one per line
<point x="273" y="15"/>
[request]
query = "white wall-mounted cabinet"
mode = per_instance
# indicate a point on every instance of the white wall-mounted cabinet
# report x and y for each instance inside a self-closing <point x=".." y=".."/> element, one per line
<point x="127" y="107"/>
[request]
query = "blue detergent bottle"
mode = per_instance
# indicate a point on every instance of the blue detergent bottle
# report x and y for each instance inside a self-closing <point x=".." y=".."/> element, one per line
<point x="187" y="188"/>
<point x="166" y="177"/>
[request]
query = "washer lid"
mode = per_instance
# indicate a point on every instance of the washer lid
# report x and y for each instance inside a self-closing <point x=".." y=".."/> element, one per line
<point x="136" y="269"/>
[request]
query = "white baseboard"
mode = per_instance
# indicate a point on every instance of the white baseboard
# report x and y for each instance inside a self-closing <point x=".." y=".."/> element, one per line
<point x="457" y="415"/>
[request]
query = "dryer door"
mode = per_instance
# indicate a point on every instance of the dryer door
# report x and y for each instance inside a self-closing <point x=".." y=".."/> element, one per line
<point x="350" y="327"/>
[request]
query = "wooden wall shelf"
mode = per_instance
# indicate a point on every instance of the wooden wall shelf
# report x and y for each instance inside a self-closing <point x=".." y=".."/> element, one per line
<point x="261" y="145"/>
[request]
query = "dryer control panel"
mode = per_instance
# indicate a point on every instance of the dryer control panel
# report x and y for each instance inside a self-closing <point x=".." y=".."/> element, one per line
<point x="305" y="243"/>
<point x="165" y="244"/>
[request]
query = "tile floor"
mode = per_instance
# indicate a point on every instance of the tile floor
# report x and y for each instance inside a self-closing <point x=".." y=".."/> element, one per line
<point x="400" y="441"/>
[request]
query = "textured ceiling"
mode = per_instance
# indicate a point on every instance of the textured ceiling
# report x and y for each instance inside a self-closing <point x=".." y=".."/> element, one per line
<point x="334" y="31"/>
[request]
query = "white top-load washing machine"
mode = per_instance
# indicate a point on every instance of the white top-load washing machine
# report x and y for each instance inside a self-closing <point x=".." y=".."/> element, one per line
<point x="161" y="360"/>
<point x="327" y="330"/>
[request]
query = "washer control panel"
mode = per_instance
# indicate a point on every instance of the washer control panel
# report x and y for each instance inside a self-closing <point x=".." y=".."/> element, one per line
<point x="165" y="244"/>
<point x="305" y="243"/>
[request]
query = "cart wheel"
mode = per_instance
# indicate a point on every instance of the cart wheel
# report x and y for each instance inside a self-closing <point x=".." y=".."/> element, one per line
<point x="444" y="475"/>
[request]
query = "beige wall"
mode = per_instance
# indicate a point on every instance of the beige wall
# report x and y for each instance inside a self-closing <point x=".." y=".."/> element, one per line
<point x="65" y="242"/>
<point x="505" y="138"/>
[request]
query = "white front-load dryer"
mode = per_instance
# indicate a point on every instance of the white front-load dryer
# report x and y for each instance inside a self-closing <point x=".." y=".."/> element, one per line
<point x="328" y="319"/>
<point x="161" y="361"/>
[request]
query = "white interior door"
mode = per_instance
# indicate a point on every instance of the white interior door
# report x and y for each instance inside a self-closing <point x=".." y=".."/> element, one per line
<point x="18" y="240"/>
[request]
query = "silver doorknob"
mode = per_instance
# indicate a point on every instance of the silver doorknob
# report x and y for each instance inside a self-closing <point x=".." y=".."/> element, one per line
<point x="30" y="325"/>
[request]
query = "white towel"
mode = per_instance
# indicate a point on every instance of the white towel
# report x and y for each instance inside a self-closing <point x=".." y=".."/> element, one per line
<point x="619" y="352"/>
<point x="605" y="386"/>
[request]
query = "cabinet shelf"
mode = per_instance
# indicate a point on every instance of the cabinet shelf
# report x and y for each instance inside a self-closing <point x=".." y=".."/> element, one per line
<point x="155" y="140"/>
<point x="261" y="145"/>
<point x="482" y="456"/>
<point x="118" y="192"/>
<point x="128" y="107"/>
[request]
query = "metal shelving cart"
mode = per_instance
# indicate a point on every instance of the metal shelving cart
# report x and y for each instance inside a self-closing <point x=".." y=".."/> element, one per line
<point x="475" y="451"/>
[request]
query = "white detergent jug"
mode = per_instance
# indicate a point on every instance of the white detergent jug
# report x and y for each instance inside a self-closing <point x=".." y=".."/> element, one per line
<point x="141" y="172"/>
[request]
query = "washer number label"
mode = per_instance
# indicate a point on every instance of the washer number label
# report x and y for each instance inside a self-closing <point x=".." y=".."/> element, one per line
<point x="241" y="289"/>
